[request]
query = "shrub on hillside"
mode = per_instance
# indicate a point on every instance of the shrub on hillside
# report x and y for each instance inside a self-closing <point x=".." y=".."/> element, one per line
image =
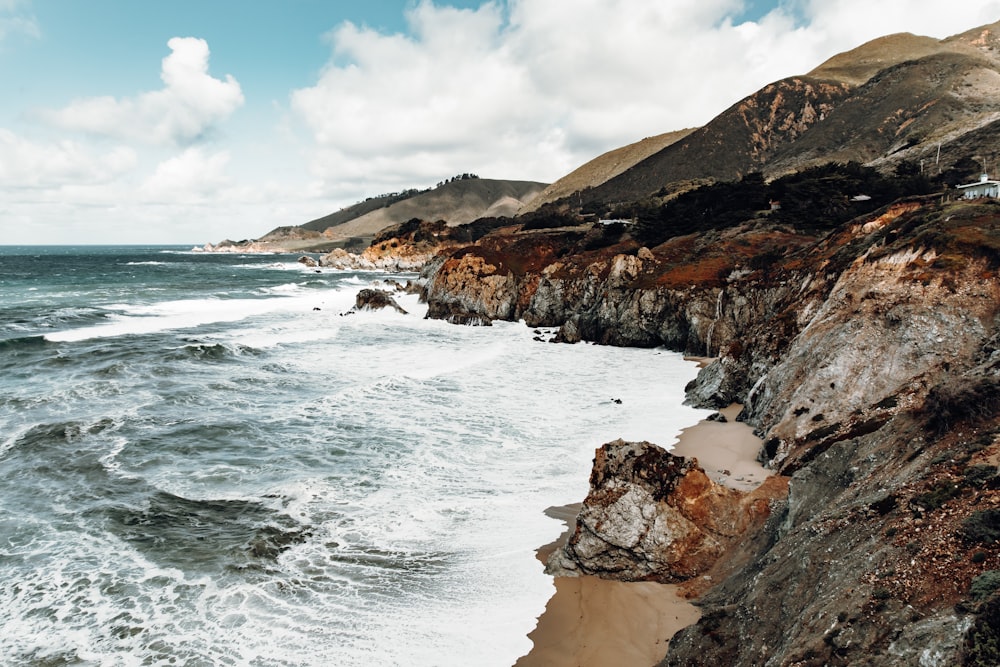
<point x="985" y="585"/>
<point x="961" y="401"/>
<point x="982" y="526"/>
<point x="542" y="220"/>
<point x="477" y="229"/>
<point x="814" y="200"/>
<point x="982" y="641"/>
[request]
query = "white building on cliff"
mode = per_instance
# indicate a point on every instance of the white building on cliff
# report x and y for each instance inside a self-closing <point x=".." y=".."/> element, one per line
<point x="983" y="188"/>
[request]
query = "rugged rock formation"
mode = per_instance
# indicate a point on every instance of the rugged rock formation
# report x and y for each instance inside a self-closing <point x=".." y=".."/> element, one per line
<point x="308" y="261"/>
<point x="409" y="246"/>
<point x="375" y="299"/>
<point x="868" y="359"/>
<point x="689" y="293"/>
<point x="651" y="515"/>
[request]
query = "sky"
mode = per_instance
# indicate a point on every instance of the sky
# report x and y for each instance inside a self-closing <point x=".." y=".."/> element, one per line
<point x="187" y="122"/>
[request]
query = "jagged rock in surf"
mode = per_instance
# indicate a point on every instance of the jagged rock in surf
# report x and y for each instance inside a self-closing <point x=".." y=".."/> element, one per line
<point x="373" y="299"/>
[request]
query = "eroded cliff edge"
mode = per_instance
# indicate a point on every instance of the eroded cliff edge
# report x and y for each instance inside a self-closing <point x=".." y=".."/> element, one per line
<point x="866" y="357"/>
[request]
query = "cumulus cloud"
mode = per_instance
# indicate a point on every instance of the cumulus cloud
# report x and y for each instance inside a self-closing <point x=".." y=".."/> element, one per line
<point x="27" y="164"/>
<point x="189" y="106"/>
<point x="447" y="89"/>
<point x="191" y="175"/>
<point x="534" y="88"/>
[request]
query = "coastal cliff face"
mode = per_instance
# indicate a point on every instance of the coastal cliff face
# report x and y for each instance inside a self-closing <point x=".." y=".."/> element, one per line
<point x="868" y="359"/>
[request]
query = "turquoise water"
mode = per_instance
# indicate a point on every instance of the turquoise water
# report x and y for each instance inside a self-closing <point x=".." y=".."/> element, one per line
<point x="206" y="460"/>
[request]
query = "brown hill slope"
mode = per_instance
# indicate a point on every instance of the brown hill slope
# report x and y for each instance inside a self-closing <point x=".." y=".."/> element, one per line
<point x="893" y="99"/>
<point x="858" y="65"/>
<point x="457" y="202"/>
<point x="349" y="213"/>
<point x="604" y="167"/>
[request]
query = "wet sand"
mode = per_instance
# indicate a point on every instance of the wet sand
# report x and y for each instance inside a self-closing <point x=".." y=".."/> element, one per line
<point x="593" y="622"/>
<point x="727" y="451"/>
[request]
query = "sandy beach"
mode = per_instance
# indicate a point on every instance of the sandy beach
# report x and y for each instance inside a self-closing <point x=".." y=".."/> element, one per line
<point x="593" y="622"/>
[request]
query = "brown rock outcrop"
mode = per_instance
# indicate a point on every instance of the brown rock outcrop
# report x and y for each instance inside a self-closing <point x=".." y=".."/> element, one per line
<point x="654" y="516"/>
<point x="374" y="299"/>
<point x="406" y="247"/>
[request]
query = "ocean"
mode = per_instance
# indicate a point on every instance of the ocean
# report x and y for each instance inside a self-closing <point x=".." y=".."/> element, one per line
<point x="207" y="459"/>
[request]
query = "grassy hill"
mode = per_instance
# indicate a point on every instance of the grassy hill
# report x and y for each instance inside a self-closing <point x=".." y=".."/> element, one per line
<point x="605" y="167"/>
<point x="457" y="203"/>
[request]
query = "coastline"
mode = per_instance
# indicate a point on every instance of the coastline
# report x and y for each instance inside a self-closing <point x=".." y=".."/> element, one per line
<point x="604" y="623"/>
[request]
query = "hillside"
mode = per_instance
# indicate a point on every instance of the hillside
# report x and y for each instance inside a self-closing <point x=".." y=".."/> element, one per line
<point x="898" y="98"/>
<point x="458" y="202"/>
<point x="604" y="167"/>
<point x="357" y="210"/>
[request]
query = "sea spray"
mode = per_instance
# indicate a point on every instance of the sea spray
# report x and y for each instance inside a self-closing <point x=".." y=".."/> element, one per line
<point x="223" y="469"/>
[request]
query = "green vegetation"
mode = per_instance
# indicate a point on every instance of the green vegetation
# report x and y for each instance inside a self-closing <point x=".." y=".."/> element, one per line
<point x="459" y="177"/>
<point x="982" y="642"/>
<point x="548" y="220"/>
<point x="812" y="200"/>
<point x="981" y="476"/>
<point x="985" y="585"/>
<point x="965" y="400"/>
<point x="982" y="526"/>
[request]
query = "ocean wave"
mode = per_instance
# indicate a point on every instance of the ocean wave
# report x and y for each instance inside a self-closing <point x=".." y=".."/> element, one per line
<point x="37" y="438"/>
<point x="21" y="343"/>
<point x="208" y="351"/>
<point x="171" y="315"/>
<point x="287" y="288"/>
<point x="216" y="534"/>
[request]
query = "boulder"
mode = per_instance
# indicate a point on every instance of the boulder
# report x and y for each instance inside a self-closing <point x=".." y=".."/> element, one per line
<point x="653" y="516"/>
<point x="373" y="299"/>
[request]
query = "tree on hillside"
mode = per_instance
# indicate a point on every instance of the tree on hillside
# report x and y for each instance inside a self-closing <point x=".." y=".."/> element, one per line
<point x="813" y="200"/>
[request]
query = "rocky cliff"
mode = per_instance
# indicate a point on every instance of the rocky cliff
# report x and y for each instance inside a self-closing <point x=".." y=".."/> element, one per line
<point x="867" y="357"/>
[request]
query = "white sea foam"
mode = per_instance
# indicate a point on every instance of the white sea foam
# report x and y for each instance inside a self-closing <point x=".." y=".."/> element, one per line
<point x="188" y="313"/>
<point x="416" y="457"/>
<point x="287" y="288"/>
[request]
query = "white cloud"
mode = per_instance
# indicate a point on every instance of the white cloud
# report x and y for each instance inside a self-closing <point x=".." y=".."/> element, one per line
<point x="533" y="88"/>
<point x="192" y="175"/>
<point x="407" y="104"/>
<point x="191" y="104"/>
<point x="27" y="164"/>
<point x="15" y="19"/>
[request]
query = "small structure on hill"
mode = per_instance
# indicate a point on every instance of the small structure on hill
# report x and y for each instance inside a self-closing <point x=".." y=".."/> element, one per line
<point x="983" y="188"/>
